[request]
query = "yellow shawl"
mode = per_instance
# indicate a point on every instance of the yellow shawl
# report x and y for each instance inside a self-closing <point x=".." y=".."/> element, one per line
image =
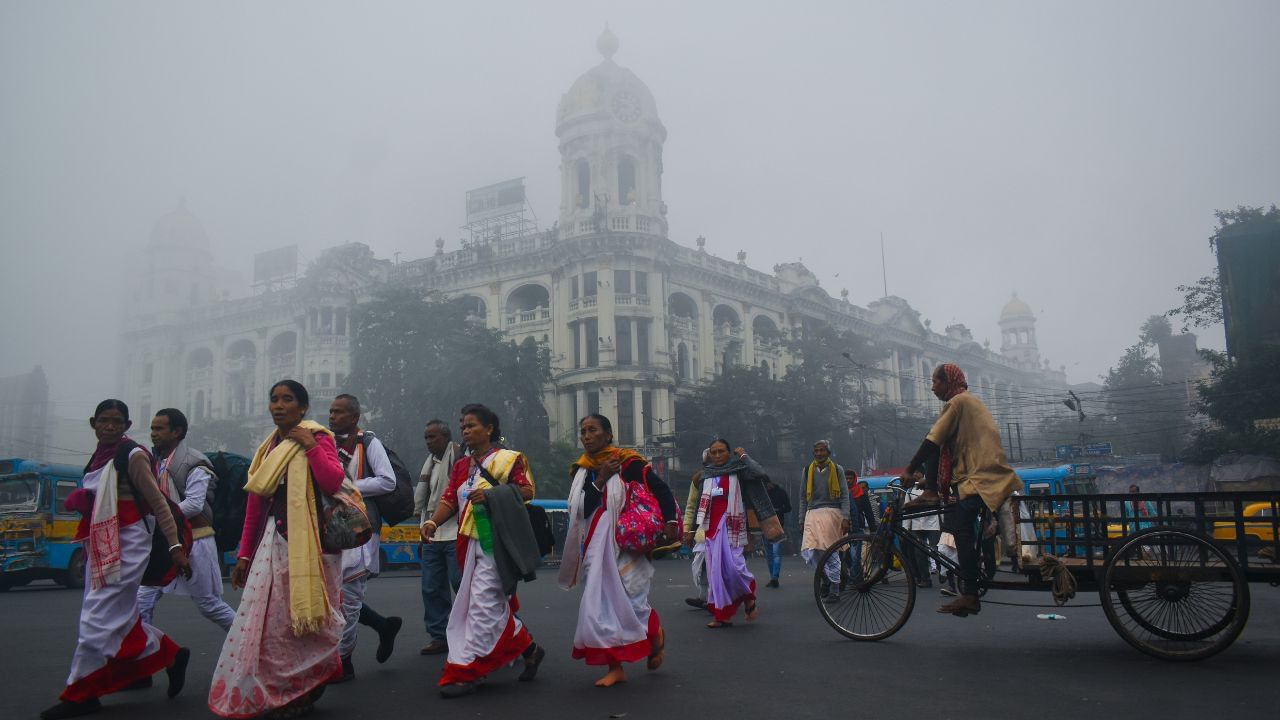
<point x="308" y="605"/>
<point x="499" y="466"/>
<point x="834" y="488"/>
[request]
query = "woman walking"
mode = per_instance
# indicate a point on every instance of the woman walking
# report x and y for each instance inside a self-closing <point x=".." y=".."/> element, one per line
<point x="116" y="649"/>
<point x="723" y="519"/>
<point x="496" y="548"/>
<point x="283" y="645"/>
<point x="615" y="621"/>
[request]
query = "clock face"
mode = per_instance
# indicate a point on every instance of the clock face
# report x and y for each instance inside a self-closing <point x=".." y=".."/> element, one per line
<point x="626" y="107"/>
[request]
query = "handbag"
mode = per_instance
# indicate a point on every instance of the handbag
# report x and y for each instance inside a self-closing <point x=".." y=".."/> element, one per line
<point x="640" y="521"/>
<point x="344" y="520"/>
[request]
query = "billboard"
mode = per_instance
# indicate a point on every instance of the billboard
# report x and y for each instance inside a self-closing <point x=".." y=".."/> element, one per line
<point x="275" y="265"/>
<point x="495" y="200"/>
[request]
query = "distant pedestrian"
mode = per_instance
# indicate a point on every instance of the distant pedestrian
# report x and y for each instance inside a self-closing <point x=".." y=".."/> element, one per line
<point x="773" y="550"/>
<point x="441" y="575"/>
<point x="116" y="647"/>
<point x="824" y="515"/>
<point x="721" y="515"/>
<point x="695" y="540"/>
<point x="927" y="529"/>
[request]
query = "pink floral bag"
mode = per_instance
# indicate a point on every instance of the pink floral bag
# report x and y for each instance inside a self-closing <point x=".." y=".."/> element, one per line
<point x="640" y="522"/>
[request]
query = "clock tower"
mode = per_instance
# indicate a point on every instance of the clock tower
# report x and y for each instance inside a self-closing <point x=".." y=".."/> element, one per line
<point x="610" y="151"/>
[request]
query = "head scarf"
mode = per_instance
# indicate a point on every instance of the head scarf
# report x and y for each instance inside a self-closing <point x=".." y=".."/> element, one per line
<point x="955" y="382"/>
<point x="597" y="461"/>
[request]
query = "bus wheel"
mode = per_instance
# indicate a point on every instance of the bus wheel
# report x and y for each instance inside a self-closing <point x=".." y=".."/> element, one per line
<point x="73" y="576"/>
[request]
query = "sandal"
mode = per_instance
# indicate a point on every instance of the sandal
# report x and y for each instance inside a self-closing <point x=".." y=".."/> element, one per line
<point x="717" y="624"/>
<point x="751" y="611"/>
<point x="658" y="654"/>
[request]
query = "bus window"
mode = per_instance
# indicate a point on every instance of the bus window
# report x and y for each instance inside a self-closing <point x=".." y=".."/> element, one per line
<point x="1039" y="489"/>
<point x="1080" y="486"/>
<point x="61" y="493"/>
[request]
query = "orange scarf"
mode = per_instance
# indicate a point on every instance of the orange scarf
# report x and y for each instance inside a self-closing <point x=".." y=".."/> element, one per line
<point x="597" y="461"/>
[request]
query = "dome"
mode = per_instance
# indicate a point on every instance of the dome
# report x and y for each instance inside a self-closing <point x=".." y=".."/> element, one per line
<point x="179" y="229"/>
<point x="1015" y="309"/>
<point x="608" y="91"/>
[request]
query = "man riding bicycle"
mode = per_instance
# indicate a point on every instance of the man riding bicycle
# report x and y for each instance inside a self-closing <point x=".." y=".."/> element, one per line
<point x="962" y="452"/>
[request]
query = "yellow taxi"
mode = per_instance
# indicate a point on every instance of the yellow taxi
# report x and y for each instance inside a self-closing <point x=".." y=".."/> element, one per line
<point x="1262" y="530"/>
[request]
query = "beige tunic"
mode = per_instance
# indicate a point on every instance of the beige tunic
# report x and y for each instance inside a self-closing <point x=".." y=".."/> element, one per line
<point x="966" y="425"/>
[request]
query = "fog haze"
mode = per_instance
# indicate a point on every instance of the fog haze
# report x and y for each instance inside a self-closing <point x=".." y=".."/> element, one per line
<point x="1071" y="152"/>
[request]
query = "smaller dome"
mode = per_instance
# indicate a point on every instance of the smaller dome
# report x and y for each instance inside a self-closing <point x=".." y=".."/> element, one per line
<point x="179" y="229"/>
<point x="1015" y="309"/>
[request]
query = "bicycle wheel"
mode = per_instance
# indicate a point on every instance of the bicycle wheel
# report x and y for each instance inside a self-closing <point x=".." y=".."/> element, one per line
<point x="876" y="595"/>
<point x="1175" y="595"/>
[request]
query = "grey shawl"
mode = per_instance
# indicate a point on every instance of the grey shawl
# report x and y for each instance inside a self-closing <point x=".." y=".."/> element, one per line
<point x="515" y="549"/>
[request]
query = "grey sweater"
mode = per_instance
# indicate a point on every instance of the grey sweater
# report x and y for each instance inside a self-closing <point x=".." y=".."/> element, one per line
<point x="821" y="495"/>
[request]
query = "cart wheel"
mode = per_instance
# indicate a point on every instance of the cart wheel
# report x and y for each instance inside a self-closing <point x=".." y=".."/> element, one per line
<point x="1174" y="594"/>
<point x="875" y="596"/>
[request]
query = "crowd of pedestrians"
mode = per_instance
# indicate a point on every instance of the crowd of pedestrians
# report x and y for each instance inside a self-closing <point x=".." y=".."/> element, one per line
<point x="310" y="544"/>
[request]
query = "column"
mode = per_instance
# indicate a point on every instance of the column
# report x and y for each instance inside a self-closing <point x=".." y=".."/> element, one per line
<point x="609" y="401"/>
<point x="637" y="409"/>
<point x="635" y="340"/>
<point x="605" y="302"/>
<point x="748" y="340"/>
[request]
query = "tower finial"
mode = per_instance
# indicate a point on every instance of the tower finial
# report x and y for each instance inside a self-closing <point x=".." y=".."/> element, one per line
<point x="607" y="43"/>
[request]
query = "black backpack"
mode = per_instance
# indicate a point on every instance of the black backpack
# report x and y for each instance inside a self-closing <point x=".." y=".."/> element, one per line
<point x="396" y="506"/>
<point x="541" y="528"/>
<point x="229" y="498"/>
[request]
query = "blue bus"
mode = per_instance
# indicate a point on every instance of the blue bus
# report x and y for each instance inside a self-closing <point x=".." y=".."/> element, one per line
<point x="38" y="536"/>
<point x="1065" y="479"/>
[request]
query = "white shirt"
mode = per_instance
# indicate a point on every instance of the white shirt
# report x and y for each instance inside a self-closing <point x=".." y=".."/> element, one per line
<point x="921" y="524"/>
<point x="367" y="557"/>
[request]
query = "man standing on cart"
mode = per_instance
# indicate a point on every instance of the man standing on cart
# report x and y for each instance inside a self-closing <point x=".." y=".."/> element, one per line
<point x="964" y="464"/>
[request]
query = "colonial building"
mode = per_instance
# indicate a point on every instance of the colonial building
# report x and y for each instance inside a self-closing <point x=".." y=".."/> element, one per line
<point x="630" y="315"/>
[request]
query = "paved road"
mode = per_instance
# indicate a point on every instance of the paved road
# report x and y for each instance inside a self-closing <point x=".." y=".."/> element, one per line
<point x="788" y="664"/>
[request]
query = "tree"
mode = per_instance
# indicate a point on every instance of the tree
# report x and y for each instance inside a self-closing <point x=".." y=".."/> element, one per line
<point x="1202" y="300"/>
<point x="414" y="360"/>
<point x="1149" y="416"/>
<point x="821" y="396"/>
<point x="1239" y="394"/>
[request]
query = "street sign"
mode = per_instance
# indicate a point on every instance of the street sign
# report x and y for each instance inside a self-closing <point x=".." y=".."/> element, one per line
<point x="1066" y="452"/>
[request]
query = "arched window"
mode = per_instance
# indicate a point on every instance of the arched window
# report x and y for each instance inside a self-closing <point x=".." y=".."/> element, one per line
<point x="584" y="184"/>
<point x="626" y="181"/>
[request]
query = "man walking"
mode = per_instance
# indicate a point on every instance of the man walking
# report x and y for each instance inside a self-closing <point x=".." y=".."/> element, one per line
<point x="824" y="514"/>
<point x="186" y="475"/>
<point x="368" y="467"/>
<point x="440" y="573"/>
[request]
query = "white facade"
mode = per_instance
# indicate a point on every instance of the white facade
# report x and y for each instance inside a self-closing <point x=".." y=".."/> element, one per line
<point x="630" y="316"/>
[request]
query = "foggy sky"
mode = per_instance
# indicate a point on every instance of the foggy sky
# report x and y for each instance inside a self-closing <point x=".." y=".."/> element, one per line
<point x="1072" y="152"/>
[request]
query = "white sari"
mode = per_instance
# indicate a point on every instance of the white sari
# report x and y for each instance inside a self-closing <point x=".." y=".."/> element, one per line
<point x="615" y="622"/>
